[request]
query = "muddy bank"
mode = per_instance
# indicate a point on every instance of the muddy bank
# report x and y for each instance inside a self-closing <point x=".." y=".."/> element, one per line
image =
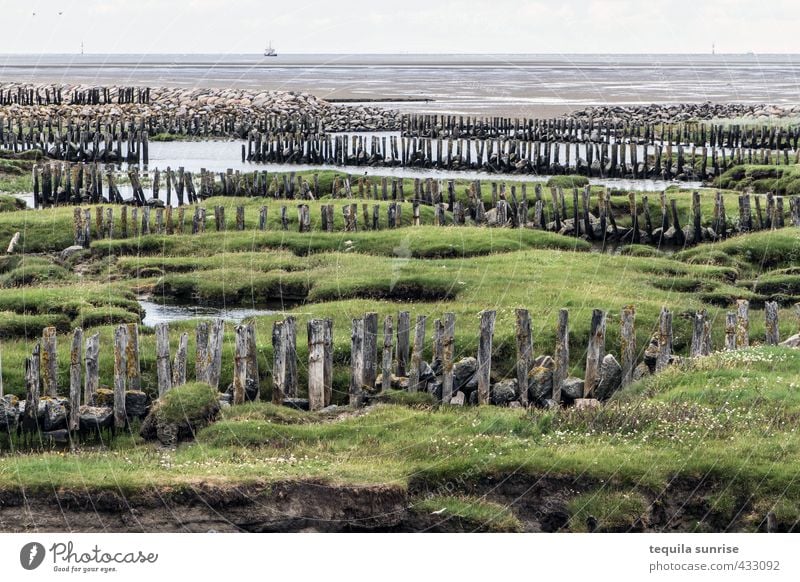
<point x="541" y="504"/>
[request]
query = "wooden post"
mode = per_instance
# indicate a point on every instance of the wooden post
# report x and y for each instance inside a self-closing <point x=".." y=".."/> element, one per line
<point x="448" y="347"/>
<point x="742" y="323"/>
<point x="163" y="365"/>
<point x="628" y="343"/>
<point x="240" y="364"/>
<point x="524" y="353"/>
<point x="416" y="354"/>
<point x="75" y="362"/>
<point x="701" y="338"/>
<point x="484" y="359"/>
<point x="595" y="352"/>
<point x="403" y="343"/>
<point x="49" y="362"/>
<point x="370" y="350"/>
<point x="92" y="362"/>
<point x="664" y="339"/>
<point x="328" y="368"/>
<point x="30" y="418"/>
<point x="134" y="380"/>
<point x="561" y="354"/>
<point x="201" y="352"/>
<point x="179" y="365"/>
<point x="357" y="363"/>
<point x="386" y="367"/>
<point x="215" y="337"/>
<point x="290" y="351"/>
<point x="253" y="375"/>
<point x="278" y="363"/>
<point x="730" y="331"/>
<point x="773" y="335"/>
<point x="120" y="374"/>
<point x="316" y="364"/>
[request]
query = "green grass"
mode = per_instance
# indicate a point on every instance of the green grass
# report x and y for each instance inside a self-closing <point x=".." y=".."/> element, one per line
<point x="470" y="513"/>
<point x="191" y="404"/>
<point x="613" y="510"/>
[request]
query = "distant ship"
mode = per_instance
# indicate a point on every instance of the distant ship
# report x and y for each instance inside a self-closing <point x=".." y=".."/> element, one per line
<point x="269" y="51"/>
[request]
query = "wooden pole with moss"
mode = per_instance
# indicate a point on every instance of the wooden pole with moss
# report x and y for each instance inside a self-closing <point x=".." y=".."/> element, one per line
<point x="278" y="363"/>
<point x="773" y="336"/>
<point x="179" y="364"/>
<point x="730" y="330"/>
<point x="75" y="364"/>
<point x="628" y="343"/>
<point x="664" y="339"/>
<point x="49" y="362"/>
<point x="92" y="365"/>
<point x="120" y="374"/>
<point x="30" y="416"/>
<point x="240" y="364"/>
<point x="416" y="354"/>
<point x="328" y="361"/>
<point x="742" y="323"/>
<point x="595" y="352"/>
<point x="484" y="359"/>
<point x="163" y="371"/>
<point x="403" y="344"/>
<point x="356" y="391"/>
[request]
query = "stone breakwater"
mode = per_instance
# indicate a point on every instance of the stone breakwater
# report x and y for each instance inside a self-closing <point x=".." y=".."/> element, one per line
<point x="202" y="102"/>
<point x="680" y="112"/>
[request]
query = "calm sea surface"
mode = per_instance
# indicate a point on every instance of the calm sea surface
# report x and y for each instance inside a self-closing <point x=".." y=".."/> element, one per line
<point x="518" y="85"/>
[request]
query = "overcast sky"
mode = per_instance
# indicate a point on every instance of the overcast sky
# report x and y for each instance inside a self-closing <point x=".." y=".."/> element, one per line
<point x="415" y="26"/>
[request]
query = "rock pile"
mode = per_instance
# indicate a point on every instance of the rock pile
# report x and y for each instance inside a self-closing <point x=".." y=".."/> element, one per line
<point x="677" y="112"/>
<point x="208" y="102"/>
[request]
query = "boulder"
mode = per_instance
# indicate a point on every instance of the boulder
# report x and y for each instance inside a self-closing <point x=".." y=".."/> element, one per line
<point x="136" y="404"/>
<point x="458" y="399"/>
<point x="540" y="383"/>
<point x="572" y="388"/>
<point x="651" y="354"/>
<point x="60" y="436"/>
<point x="503" y="392"/>
<point x="69" y="251"/>
<point x="8" y="416"/>
<point x="94" y="418"/>
<point x="610" y="378"/>
<point x="435" y="389"/>
<point x="641" y="371"/>
<point x="586" y="403"/>
<point x="792" y="341"/>
<point x="55" y="414"/>
<point x="296" y="403"/>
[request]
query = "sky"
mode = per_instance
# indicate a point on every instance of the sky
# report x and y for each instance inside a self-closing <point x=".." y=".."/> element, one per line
<point x="404" y="26"/>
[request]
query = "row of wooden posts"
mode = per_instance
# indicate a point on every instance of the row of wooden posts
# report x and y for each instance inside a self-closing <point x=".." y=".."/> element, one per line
<point x="400" y="355"/>
<point x="572" y="129"/>
<point x="30" y="96"/>
<point x="494" y="155"/>
<point x="513" y="213"/>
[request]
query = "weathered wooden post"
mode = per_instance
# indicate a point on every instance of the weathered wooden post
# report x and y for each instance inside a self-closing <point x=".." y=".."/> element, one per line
<point x="328" y="361"/>
<point x="370" y="350"/>
<point x="448" y="339"/>
<point x="403" y="343"/>
<point x="701" y="335"/>
<point x="730" y="331"/>
<point x="595" y="352"/>
<point x="179" y="365"/>
<point x="30" y="417"/>
<point x="201" y="352"/>
<point x="215" y="337"/>
<point x="253" y="375"/>
<point x="484" y="360"/>
<point x="240" y="364"/>
<point x="290" y="348"/>
<point x="416" y="354"/>
<point x="316" y="364"/>
<point x="742" y="323"/>
<point x="134" y="380"/>
<point x="386" y="364"/>
<point x="92" y="362"/>
<point x="664" y="339"/>
<point x="49" y="362"/>
<point x="75" y="363"/>
<point x="357" y="363"/>
<point x="163" y="370"/>
<point x="278" y="363"/>
<point x="524" y="353"/>
<point x="628" y="343"/>
<point x="561" y="354"/>
<point x="120" y="374"/>
<point x="773" y="335"/>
